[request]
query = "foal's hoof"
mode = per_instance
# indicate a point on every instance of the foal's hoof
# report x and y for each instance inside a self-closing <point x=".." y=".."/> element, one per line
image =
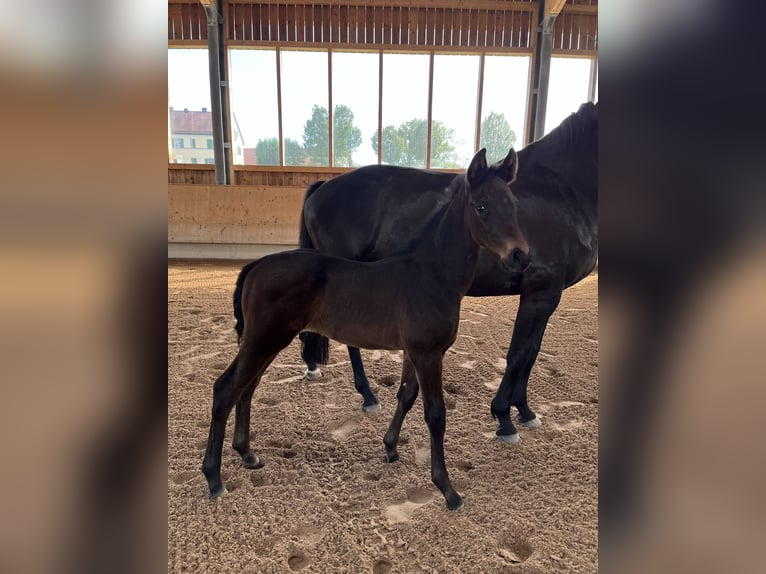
<point x="455" y="504"/>
<point x="251" y="461"/>
<point x="531" y="423"/>
<point x="312" y="375"/>
<point x="374" y="408"/>
<point x="218" y="491"/>
<point x="509" y="438"/>
<point x="392" y="456"/>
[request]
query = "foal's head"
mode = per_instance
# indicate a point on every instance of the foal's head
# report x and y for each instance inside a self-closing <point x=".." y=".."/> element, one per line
<point x="491" y="209"/>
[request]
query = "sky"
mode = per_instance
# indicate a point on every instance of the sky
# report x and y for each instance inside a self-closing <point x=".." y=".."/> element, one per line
<point x="355" y="83"/>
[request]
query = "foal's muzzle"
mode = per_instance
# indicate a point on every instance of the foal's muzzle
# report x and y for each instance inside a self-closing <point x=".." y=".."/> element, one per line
<point x="517" y="261"/>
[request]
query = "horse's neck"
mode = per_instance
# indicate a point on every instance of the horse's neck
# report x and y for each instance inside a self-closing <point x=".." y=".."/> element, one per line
<point x="575" y="171"/>
<point x="450" y="251"/>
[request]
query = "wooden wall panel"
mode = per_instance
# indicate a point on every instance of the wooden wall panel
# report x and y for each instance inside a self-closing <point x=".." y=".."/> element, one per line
<point x="234" y="214"/>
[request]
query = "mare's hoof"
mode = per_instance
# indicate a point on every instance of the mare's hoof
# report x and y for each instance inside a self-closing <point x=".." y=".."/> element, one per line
<point x="509" y="438"/>
<point x="251" y="461"/>
<point x="392" y="457"/>
<point x="531" y="423"/>
<point x="312" y="375"/>
<point x="215" y="493"/>
<point x="455" y="504"/>
<point x="371" y="408"/>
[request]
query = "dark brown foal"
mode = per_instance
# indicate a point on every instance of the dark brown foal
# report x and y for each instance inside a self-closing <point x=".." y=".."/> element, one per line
<point x="409" y="302"/>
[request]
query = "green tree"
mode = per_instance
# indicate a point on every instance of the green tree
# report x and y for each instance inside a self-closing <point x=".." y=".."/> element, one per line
<point x="406" y="145"/>
<point x="347" y="137"/>
<point x="316" y="136"/>
<point x="267" y="152"/>
<point x="497" y="136"/>
<point x="294" y="153"/>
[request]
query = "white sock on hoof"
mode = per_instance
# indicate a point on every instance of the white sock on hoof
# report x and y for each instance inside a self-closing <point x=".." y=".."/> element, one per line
<point x="312" y="375"/>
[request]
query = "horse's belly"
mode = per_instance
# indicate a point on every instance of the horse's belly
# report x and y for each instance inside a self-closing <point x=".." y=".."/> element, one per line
<point x="363" y="328"/>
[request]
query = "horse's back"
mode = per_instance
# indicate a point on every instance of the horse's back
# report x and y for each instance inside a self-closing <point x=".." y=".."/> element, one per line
<point x="374" y="211"/>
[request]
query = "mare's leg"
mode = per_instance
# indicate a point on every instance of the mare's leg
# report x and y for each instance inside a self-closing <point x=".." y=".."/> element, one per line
<point x="429" y="370"/>
<point x="406" y="395"/>
<point x="534" y="311"/>
<point x="371" y="403"/>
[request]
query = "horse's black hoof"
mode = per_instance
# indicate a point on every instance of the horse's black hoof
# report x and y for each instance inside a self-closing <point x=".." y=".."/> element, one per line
<point x="532" y="423"/>
<point x="392" y="456"/>
<point x="373" y="408"/>
<point x="217" y="491"/>
<point x="509" y="438"/>
<point x="251" y="461"/>
<point x="455" y="504"/>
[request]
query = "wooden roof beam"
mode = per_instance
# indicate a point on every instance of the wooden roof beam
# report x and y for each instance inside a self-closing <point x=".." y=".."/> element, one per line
<point x="553" y="7"/>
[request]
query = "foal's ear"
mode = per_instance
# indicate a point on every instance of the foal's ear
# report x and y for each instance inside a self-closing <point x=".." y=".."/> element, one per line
<point x="508" y="167"/>
<point x="478" y="168"/>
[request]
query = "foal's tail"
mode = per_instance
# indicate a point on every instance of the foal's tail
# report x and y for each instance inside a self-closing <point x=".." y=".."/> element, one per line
<point x="315" y="349"/>
<point x="304" y="240"/>
<point x="239" y="326"/>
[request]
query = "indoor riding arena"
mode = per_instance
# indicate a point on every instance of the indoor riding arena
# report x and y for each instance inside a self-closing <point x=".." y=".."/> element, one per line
<point x="306" y="92"/>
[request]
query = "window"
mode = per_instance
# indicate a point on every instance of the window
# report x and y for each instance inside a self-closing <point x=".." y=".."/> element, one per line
<point x="453" y="113"/>
<point x="504" y="104"/>
<point x="194" y="160"/>
<point x="188" y="91"/>
<point x="209" y="160"/>
<point x="253" y="96"/>
<point x="192" y="143"/>
<point x="405" y="109"/>
<point x="209" y="143"/>
<point x="355" y="108"/>
<point x="568" y="88"/>
<point x="305" y="120"/>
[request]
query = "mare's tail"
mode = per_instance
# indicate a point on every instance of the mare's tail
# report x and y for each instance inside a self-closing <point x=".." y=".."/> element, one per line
<point x="304" y="240"/>
<point x="315" y="349"/>
<point x="239" y="326"/>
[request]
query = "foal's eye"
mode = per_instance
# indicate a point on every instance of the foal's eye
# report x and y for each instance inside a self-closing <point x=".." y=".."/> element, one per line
<point x="480" y="209"/>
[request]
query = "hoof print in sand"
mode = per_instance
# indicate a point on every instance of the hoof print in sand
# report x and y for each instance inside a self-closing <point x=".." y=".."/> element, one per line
<point x="298" y="561"/>
<point x="310" y="534"/>
<point x="515" y="553"/>
<point x="344" y="431"/>
<point x="388" y="380"/>
<point x="400" y="512"/>
<point x="185" y="476"/>
<point x="382" y="566"/>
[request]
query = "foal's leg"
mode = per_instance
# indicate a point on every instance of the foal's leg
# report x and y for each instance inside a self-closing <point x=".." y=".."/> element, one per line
<point x="241" y="440"/>
<point x="429" y="370"/>
<point x="408" y="392"/>
<point x="239" y="380"/>
<point x="226" y="391"/>
<point x="534" y="311"/>
<point x="268" y="347"/>
<point x="371" y="403"/>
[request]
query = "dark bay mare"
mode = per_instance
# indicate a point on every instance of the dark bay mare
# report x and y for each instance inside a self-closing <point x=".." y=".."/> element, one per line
<point x="375" y="211"/>
<point x="410" y="301"/>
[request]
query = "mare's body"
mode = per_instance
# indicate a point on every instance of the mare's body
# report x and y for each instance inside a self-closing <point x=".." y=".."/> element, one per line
<point x="373" y="212"/>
